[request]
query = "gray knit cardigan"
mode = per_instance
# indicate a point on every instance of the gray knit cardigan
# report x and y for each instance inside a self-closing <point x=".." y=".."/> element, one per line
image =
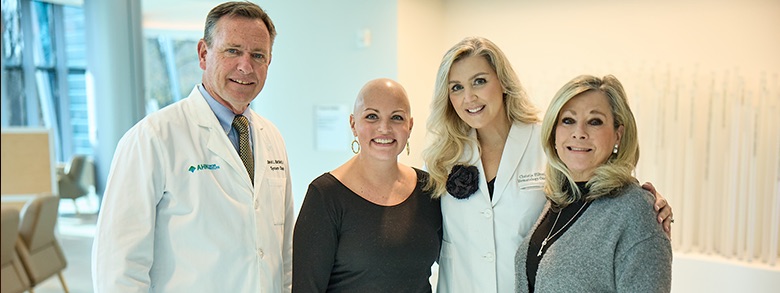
<point x="615" y="246"/>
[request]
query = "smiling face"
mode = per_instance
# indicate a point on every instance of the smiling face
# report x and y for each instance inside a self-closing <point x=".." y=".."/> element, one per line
<point x="585" y="134"/>
<point x="236" y="64"/>
<point x="476" y="93"/>
<point x="382" y="119"/>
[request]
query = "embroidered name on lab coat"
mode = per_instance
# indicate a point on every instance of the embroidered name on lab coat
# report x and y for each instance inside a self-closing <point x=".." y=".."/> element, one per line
<point x="531" y="177"/>
<point x="275" y="165"/>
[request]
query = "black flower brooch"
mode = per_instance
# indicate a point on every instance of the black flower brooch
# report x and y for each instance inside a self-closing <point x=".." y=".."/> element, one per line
<point x="463" y="181"/>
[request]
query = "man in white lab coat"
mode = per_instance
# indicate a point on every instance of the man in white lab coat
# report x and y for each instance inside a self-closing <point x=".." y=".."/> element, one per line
<point x="181" y="211"/>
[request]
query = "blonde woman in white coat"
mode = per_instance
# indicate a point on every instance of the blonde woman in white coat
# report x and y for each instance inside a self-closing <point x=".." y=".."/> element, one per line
<point x="486" y="163"/>
<point x="181" y="211"/>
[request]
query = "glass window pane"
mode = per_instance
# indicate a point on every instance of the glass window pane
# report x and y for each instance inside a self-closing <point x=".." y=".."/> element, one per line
<point x="15" y="103"/>
<point x="48" y="97"/>
<point x="79" y="118"/>
<point x="49" y="101"/>
<point x="12" y="33"/>
<point x="76" y="61"/>
<point x="187" y="65"/>
<point x="171" y="70"/>
<point x="75" y="37"/>
<point x="158" y="91"/>
<point x="43" y="48"/>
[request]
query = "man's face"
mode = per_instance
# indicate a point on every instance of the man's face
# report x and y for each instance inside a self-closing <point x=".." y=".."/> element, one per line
<point x="236" y="64"/>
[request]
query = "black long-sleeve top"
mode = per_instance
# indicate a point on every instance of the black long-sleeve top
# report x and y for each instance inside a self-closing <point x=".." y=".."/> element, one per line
<point x="344" y="243"/>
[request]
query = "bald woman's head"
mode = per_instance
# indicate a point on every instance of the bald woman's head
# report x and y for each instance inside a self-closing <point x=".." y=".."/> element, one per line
<point x="384" y="89"/>
<point x="382" y="119"/>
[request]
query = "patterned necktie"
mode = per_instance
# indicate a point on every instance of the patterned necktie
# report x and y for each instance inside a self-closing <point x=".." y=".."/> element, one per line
<point x="241" y="124"/>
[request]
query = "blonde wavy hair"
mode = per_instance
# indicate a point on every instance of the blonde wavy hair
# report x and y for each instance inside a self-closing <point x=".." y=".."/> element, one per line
<point x="616" y="172"/>
<point x="449" y="135"/>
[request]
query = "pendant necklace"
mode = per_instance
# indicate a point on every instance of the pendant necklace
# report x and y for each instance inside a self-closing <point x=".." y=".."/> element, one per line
<point x="544" y="242"/>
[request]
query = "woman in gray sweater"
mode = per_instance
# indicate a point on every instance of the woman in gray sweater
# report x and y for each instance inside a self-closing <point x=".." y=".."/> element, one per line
<point x="597" y="232"/>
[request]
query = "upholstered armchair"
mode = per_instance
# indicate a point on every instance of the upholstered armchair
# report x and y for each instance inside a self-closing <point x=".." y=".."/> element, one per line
<point x="76" y="179"/>
<point x="37" y="246"/>
<point x="15" y="278"/>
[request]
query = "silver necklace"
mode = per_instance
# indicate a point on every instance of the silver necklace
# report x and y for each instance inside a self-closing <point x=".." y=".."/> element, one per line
<point x="544" y="242"/>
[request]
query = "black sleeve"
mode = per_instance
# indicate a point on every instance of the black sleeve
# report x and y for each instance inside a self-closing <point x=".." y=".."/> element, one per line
<point x="315" y="239"/>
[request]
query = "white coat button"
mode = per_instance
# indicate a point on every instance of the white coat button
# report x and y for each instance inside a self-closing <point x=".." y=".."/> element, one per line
<point x="487" y="213"/>
<point x="260" y="253"/>
<point x="488" y="257"/>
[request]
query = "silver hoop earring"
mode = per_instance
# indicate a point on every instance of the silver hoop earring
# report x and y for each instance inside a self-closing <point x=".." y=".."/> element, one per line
<point x="615" y="149"/>
<point x="355" y="142"/>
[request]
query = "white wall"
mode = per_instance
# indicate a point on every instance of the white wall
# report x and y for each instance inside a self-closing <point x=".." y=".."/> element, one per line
<point x="549" y="40"/>
<point x="317" y="61"/>
<point x="420" y="46"/>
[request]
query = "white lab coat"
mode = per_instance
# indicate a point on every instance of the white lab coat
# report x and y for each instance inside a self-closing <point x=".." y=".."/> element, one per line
<point x="179" y="213"/>
<point x="481" y="236"/>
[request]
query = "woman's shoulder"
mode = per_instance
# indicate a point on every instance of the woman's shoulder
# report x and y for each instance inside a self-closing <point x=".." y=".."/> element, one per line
<point x="522" y="132"/>
<point x="422" y="182"/>
<point x="327" y="192"/>
<point x="536" y="126"/>
<point x="325" y="184"/>
<point x="631" y="216"/>
<point x="630" y="197"/>
<point x="633" y="194"/>
<point x="324" y="179"/>
<point x="422" y="175"/>
<point x="632" y="204"/>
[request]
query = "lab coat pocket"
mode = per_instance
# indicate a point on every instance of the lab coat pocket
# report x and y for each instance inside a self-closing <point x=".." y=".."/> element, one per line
<point x="276" y="191"/>
<point x="447" y="267"/>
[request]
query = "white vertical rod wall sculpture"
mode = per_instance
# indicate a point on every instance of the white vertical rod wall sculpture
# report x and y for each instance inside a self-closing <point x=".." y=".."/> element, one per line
<point x="772" y="251"/>
<point x="731" y="181"/>
<point x="714" y="172"/>
<point x="671" y="152"/>
<point x="750" y="196"/>
<point x="687" y="159"/>
<point x="743" y="171"/>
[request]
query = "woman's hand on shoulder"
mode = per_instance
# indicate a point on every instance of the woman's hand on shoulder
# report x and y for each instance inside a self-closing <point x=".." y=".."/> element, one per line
<point x="662" y="207"/>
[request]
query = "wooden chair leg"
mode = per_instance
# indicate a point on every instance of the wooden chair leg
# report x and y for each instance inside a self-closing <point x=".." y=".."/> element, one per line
<point x="62" y="280"/>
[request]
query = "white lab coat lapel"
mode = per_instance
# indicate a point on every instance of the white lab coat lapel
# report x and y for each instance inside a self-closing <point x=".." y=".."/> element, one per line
<point x="471" y="152"/>
<point x="514" y="149"/>
<point x="516" y="145"/>
<point x="218" y="142"/>
<point x="260" y="145"/>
